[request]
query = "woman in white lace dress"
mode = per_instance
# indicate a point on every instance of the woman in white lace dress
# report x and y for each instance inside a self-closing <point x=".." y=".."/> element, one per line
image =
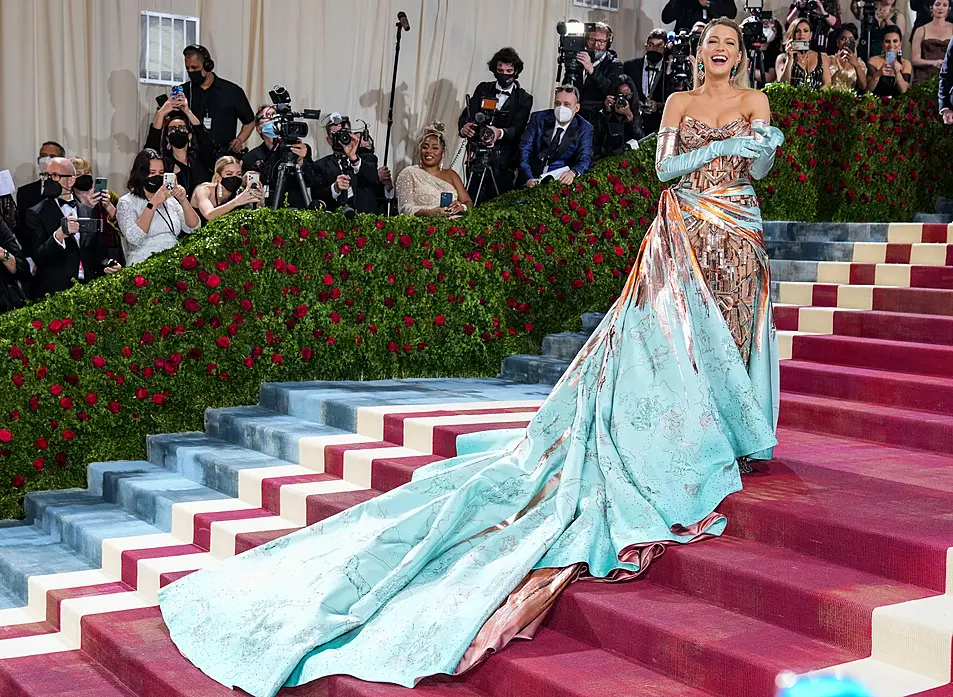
<point x="419" y="187"/>
<point x="151" y="216"/>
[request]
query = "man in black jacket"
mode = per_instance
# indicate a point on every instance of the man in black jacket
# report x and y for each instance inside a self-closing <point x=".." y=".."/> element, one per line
<point x="348" y="177"/>
<point x="649" y="75"/>
<point x="509" y="117"/>
<point x="79" y="251"/>
<point x="31" y="194"/>
<point x="686" y="12"/>
<point x="267" y="156"/>
<point x="600" y="66"/>
<point x="945" y="94"/>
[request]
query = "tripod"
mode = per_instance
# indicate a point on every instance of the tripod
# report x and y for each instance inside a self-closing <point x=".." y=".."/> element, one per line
<point x="868" y="27"/>
<point x="479" y="163"/>
<point x="285" y="168"/>
<point x="756" y="67"/>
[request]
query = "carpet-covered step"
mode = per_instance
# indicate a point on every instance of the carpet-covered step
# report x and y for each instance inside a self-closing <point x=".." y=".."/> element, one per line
<point x="726" y="657"/>
<point x="919" y="253"/>
<point x="879" y="354"/>
<point x="912" y="233"/>
<point x="901" y="390"/>
<point x="828" y="602"/>
<point x="927" y="301"/>
<point x="883" y="424"/>
<point x="865" y="324"/>
<point x="898" y="275"/>
<point x="341" y="686"/>
<point x="64" y="674"/>
<point x="881" y="526"/>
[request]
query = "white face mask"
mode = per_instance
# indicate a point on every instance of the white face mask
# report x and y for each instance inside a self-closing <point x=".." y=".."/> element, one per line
<point x="769" y="34"/>
<point x="563" y="114"/>
<point x="42" y="163"/>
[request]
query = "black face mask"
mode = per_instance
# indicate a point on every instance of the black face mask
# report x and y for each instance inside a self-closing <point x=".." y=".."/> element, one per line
<point x="196" y="77"/>
<point x="84" y="182"/>
<point x="231" y="184"/>
<point x="505" y="80"/>
<point x="653" y="57"/>
<point x="52" y="189"/>
<point x="153" y="183"/>
<point x="178" y="138"/>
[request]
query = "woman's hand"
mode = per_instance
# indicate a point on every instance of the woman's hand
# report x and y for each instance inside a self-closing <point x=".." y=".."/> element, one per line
<point x="455" y="208"/>
<point x="249" y="196"/>
<point x="180" y="194"/>
<point x="789" y="48"/>
<point x="160" y="196"/>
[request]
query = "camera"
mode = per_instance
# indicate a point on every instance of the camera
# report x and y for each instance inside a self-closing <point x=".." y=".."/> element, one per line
<point x="342" y="137"/>
<point x="483" y="119"/>
<point x="290" y="132"/>
<point x="679" y="49"/>
<point x="752" y="30"/>
<point x="619" y="101"/>
<point x="572" y="40"/>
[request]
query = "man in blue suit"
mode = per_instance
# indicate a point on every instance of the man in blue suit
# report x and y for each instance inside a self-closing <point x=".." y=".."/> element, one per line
<point x="557" y="142"/>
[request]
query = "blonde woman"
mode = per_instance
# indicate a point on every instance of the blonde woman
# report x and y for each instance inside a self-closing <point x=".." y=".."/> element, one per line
<point x="420" y="187"/>
<point x="799" y="65"/>
<point x="225" y="193"/>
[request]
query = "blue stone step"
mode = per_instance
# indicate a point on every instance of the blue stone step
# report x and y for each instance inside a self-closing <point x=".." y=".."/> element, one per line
<point x="206" y="460"/>
<point x="264" y="430"/>
<point x="792" y="270"/>
<point x="944" y="206"/>
<point x="933" y="218"/>
<point x="591" y="320"/>
<point x="543" y="370"/>
<point x="565" y="345"/>
<point x="816" y="251"/>
<point x="336" y="404"/>
<point x="27" y="551"/>
<point x="149" y="491"/>
<point x="782" y="231"/>
<point x="82" y="520"/>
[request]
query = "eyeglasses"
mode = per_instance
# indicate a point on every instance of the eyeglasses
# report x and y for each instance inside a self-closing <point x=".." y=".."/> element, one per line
<point x="56" y="175"/>
<point x="597" y="42"/>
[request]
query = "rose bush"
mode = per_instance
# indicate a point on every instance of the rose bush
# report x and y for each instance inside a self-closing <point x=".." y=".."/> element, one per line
<point x="287" y="295"/>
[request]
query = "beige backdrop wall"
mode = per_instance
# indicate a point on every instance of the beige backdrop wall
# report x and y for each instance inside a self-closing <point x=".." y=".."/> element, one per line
<point x="70" y="66"/>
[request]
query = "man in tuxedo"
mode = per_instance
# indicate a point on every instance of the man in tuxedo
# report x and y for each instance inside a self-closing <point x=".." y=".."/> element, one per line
<point x="349" y="177"/>
<point x="557" y="142"/>
<point x="60" y="255"/>
<point x="31" y="194"/>
<point x="685" y="13"/>
<point x="509" y="119"/>
<point x="649" y="75"/>
<point x="945" y="93"/>
<point x="600" y="66"/>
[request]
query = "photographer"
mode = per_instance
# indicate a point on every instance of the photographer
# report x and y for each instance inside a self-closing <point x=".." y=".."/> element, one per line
<point x="557" y="142"/>
<point x="824" y="16"/>
<point x="267" y="156"/>
<point x="685" y="13"/>
<point x="618" y="122"/>
<point x="600" y="66"/>
<point x="347" y="177"/>
<point x="218" y="103"/>
<point x="649" y="76"/>
<point x="62" y="247"/>
<point x="945" y="93"/>
<point x="508" y="121"/>
<point x="183" y="142"/>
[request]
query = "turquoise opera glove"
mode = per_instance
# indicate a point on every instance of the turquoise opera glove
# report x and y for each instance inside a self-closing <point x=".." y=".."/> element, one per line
<point x="770" y="140"/>
<point x="669" y="165"/>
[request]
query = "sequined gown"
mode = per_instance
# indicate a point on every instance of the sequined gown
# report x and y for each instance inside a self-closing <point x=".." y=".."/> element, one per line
<point x="631" y="453"/>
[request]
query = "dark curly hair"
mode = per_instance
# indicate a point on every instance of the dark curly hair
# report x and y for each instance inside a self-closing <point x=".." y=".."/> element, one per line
<point x="140" y="171"/>
<point x="506" y="55"/>
<point x="169" y="118"/>
<point x="622" y="79"/>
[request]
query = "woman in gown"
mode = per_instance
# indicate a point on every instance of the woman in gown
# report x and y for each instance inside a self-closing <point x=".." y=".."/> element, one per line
<point x="419" y="187"/>
<point x="634" y="449"/>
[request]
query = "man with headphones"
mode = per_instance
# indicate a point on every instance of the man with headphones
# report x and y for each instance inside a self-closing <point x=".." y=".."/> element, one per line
<point x="513" y="105"/>
<point x="600" y="67"/>
<point x="220" y="104"/>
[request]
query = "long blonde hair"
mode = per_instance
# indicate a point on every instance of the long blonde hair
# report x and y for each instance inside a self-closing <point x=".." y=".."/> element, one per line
<point x="740" y="80"/>
<point x="221" y="163"/>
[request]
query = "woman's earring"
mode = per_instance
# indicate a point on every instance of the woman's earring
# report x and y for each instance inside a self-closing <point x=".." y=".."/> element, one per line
<point x="701" y="68"/>
<point x="734" y="72"/>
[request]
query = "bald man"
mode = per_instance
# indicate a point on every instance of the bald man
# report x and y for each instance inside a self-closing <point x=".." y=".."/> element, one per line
<point x="62" y="244"/>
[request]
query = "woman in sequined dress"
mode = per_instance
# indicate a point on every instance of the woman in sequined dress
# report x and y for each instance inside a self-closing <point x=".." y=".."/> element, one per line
<point x="632" y="452"/>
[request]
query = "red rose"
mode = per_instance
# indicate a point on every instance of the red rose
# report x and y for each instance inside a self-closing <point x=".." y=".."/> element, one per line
<point x="257" y="264"/>
<point x="405" y="241"/>
<point x="528" y="327"/>
<point x="114" y="407"/>
<point x="90" y="338"/>
<point x="306" y="353"/>
<point x="577" y="284"/>
<point x="91" y="399"/>
<point x="439" y="320"/>
<point x="98" y="362"/>
<point x="38" y="464"/>
<point x="213" y="281"/>
<point x="129" y="299"/>
<point x="5" y="436"/>
<point x="61" y="459"/>
<point x="392" y="347"/>
<point x="18" y="482"/>
<point x="277" y="358"/>
<point x="408" y="321"/>
<point x="334" y="317"/>
<point x="69" y="435"/>
<point x="158" y="399"/>
<point x="66" y="403"/>
<point x="141" y="393"/>
<point x="191" y="305"/>
<point x="56" y="390"/>
<point x="15" y="353"/>
<point x="18" y="380"/>
<point x="411" y="291"/>
<point x="42" y="443"/>
<point x="223" y="342"/>
<point x="140" y="282"/>
<point x="469" y="329"/>
<point x="379" y="224"/>
<point x="189" y="263"/>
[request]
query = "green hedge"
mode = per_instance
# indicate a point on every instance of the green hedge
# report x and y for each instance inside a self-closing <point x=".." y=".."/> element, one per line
<point x="280" y="296"/>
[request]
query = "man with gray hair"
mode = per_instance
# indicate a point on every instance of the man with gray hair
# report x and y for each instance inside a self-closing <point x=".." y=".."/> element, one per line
<point x="61" y="238"/>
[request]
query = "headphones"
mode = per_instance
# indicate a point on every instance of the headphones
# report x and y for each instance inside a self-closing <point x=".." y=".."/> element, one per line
<point x="602" y="26"/>
<point x="209" y="65"/>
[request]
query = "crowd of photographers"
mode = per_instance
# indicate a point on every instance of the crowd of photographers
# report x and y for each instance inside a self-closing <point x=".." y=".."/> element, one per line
<point x="195" y="166"/>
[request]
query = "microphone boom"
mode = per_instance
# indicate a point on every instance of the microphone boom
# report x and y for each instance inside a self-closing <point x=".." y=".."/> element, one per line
<point x="402" y="20"/>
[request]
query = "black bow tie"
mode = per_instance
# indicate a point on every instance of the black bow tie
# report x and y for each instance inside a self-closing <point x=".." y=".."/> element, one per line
<point x="61" y="202"/>
<point x="506" y="92"/>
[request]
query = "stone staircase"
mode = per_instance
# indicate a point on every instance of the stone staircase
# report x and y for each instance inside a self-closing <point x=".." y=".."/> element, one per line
<point x="835" y="555"/>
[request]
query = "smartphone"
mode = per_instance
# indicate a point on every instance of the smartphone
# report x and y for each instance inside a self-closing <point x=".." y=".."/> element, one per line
<point x="851" y="45"/>
<point x="162" y="99"/>
<point x="446" y="198"/>
<point x="169" y="180"/>
<point x="177" y="91"/>
<point x="801" y="46"/>
<point x="253" y="180"/>
<point x="891" y="56"/>
<point x="100" y="185"/>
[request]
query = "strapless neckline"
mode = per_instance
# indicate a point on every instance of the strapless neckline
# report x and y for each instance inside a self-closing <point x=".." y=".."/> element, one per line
<point x="727" y="126"/>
